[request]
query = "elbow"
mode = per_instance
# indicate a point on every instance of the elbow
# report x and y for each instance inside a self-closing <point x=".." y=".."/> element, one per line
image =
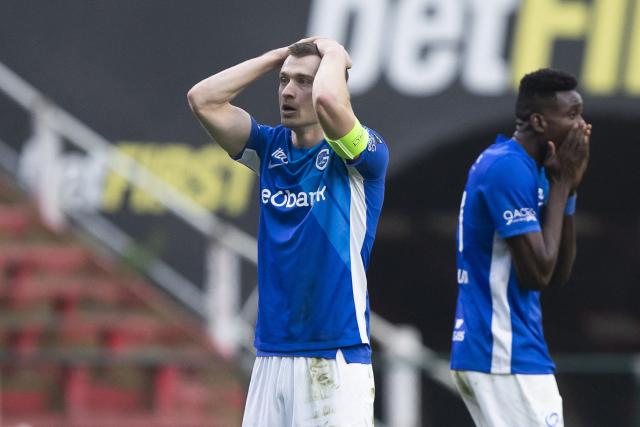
<point x="561" y="276"/>
<point x="199" y="98"/>
<point x="194" y="98"/>
<point x="557" y="282"/>
<point x="534" y="284"/>
<point x="536" y="280"/>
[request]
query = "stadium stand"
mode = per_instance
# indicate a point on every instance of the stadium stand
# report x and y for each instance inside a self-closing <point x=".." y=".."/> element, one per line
<point x="87" y="343"/>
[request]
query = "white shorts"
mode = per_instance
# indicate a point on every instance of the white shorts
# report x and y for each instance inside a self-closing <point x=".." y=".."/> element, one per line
<point x="309" y="392"/>
<point x="503" y="400"/>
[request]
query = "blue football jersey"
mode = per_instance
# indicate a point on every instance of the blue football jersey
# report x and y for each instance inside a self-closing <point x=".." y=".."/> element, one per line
<point x="318" y="218"/>
<point x="498" y="324"/>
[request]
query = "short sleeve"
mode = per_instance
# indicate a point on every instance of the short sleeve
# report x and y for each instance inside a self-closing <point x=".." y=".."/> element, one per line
<point x="252" y="153"/>
<point x="510" y="190"/>
<point x="372" y="162"/>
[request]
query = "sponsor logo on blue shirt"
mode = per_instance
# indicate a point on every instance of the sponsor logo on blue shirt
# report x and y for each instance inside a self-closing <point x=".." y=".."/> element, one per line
<point x="519" y="215"/>
<point x="290" y="199"/>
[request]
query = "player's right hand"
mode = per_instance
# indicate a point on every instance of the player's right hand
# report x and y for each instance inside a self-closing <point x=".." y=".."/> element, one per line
<point x="279" y="55"/>
<point x="568" y="162"/>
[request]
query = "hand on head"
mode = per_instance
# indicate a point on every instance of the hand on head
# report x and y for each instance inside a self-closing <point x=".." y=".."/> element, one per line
<point x="325" y="45"/>
<point x="280" y="54"/>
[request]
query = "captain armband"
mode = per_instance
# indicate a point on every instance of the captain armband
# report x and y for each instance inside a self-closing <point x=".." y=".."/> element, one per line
<point x="352" y="144"/>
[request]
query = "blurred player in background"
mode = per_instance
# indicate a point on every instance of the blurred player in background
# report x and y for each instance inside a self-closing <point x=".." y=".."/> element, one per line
<point x="322" y="177"/>
<point x="516" y="237"/>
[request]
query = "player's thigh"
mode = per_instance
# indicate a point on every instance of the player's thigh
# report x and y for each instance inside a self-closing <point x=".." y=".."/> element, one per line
<point x="265" y="406"/>
<point x="541" y="395"/>
<point x="333" y="392"/>
<point x="467" y="392"/>
<point x="522" y="400"/>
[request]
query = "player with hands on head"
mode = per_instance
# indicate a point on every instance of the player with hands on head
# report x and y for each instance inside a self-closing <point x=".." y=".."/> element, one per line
<point x="322" y="176"/>
<point x="516" y="237"/>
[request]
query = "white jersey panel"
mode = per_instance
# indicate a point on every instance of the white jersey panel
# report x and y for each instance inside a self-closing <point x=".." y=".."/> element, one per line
<point x="501" y="312"/>
<point x="358" y="224"/>
<point x="251" y="160"/>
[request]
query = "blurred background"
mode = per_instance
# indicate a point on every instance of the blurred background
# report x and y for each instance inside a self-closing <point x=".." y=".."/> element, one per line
<point x="127" y="238"/>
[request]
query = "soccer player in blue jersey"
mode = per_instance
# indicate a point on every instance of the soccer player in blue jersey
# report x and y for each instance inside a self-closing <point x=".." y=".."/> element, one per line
<point x="322" y="177"/>
<point x="516" y="238"/>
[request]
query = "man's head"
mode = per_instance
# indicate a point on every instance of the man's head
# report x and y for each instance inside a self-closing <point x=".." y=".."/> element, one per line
<point x="548" y="104"/>
<point x="296" y="81"/>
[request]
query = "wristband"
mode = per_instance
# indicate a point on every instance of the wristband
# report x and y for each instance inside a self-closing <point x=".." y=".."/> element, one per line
<point x="352" y="144"/>
<point x="570" y="208"/>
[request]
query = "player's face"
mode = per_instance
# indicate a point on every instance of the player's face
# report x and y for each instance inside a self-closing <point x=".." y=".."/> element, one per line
<point x="562" y="114"/>
<point x="294" y="91"/>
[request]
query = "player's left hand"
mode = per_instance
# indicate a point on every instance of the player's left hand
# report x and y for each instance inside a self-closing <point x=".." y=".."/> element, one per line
<point x="326" y="44"/>
<point x="582" y="167"/>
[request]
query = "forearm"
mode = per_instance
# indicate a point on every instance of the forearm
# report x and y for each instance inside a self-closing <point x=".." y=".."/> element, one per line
<point x="552" y="229"/>
<point x="567" y="252"/>
<point x="223" y="87"/>
<point x="330" y="80"/>
<point x="535" y="255"/>
<point x="210" y="100"/>
<point x="330" y="94"/>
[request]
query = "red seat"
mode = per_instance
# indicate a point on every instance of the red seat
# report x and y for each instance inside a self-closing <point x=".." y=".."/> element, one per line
<point x="48" y="257"/>
<point x="29" y="402"/>
<point x="88" y="341"/>
<point x="14" y="220"/>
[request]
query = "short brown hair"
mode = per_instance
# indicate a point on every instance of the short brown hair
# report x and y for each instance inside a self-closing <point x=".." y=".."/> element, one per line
<point x="302" y="49"/>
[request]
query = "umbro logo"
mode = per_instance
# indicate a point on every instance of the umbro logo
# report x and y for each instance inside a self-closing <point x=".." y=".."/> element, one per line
<point x="540" y="196"/>
<point x="281" y="158"/>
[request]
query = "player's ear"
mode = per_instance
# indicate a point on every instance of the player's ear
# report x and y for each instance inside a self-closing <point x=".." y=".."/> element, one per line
<point x="538" y="122"/>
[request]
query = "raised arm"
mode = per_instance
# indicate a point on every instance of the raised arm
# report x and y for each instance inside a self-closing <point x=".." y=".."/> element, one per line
<point x="535" y="254"/>
<point x="566" y="253"/>
<point x="210" y="99"/>
<point x="331" y="98"/>
<point x="546" y="257"/>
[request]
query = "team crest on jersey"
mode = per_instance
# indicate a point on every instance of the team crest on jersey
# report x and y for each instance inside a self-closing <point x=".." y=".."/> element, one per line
<point x="280" y="158"/>
<point x="322" y="160"/>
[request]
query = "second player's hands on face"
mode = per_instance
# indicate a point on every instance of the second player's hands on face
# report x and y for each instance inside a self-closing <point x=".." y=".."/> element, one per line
<point x="568" y="162"/>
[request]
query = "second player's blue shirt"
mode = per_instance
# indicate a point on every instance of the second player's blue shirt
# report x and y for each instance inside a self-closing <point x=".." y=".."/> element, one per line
<point x="498" y="324"/>
<point x="318" y="217"/>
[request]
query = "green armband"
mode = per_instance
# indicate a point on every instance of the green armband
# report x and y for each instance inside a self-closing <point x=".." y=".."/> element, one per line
<point x="352" y="144"/>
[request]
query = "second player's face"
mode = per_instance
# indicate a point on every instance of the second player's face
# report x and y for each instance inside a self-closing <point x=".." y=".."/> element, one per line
<point x="294" y="91"/>
<point x="563" y="114"/>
